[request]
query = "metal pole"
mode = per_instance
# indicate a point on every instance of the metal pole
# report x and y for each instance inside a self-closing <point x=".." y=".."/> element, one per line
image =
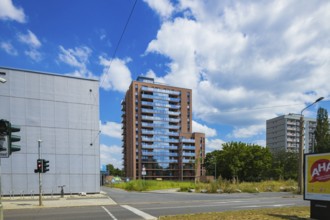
<point x="1" y="208"/>
<point x="215" y="170"/>
<point x="40" y="180"/>
<point x="301" y="155"/>
<point x="301" y="148"/>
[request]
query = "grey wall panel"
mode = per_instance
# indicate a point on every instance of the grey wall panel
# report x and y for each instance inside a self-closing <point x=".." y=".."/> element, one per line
<point x="61" y="114"/>
<point x="61" y="88"/>
<point x="64" y="179"/>
<point x="74" y="116"/>
<point x="89" y="182"/>
<point x="47" y="87"/>
<point x="17" y="84"/>
<point x="19" y="163"/>
<point x="31" y="163"/>
<point x="6" y="183"/>
<point x="62" y="164"/>
<point x="88" y="138"/>
<point x="5" y="107"/>
<point x="89" y="164"/>
<point x="49" y="183"/>
<point x="47" y="113"/>
<point x="76" y="183"/>
<point x="32" y="137"/>
<point x="32" y="112"/>
<point x="75" y="141"/>
<point x="6" y="166"/>
<point x="32" y="85"/>
<point x="32" y="184"/>
<point x="17" y="111"/>
<point x="62" y="141"/>
<point x="76" y="164"/>
<point x="48" y="141"/>
<point x="20" y="184"/>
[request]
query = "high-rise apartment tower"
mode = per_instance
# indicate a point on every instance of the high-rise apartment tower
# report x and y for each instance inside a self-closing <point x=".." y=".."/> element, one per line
<point x="283" y="133"/>
<point x="158" y="142"/>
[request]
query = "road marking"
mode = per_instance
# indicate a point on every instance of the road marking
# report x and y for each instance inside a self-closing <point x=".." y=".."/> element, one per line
<point x="111" y="215"/>
<point x="139" y="212"/>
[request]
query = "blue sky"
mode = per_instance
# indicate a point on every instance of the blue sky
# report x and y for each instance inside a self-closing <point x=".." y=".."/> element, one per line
<point x="246" y="61"/>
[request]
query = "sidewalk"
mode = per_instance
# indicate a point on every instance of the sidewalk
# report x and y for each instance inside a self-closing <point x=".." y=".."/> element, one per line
<point x="56" y="201"/>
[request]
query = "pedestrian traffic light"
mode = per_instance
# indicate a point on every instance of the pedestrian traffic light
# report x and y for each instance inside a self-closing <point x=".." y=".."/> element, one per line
<point x="45" y="166"/>
<point x="39" y="166"/>
<point x="13" y="138"/>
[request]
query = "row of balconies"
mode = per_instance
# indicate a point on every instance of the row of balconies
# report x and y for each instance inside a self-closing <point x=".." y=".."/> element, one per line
<point x="145" y="96"/>
<point x="145" y="117"/>
<point x="145" y="124"/>
<point x="160" y="90"/>
<point x="144" y="131"/>
<point x="160" y="105"/>
<point x="166" y="112"/>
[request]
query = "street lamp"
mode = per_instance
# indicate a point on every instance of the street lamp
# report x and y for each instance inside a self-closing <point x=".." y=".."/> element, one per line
<point x="301" y="147"/>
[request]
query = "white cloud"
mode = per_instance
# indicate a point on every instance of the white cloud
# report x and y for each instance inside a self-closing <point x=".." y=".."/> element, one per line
<point x="213" y="144"/>
<point x="247" y="61"/>
<point x="111" y="129"/>
<point x="10" y="12"/>
<point x="116" y="75"/>
<point x="163" y="7"/>
<point x="247" y="131"/>
<point x="30" y="39"/>
<point x="78" y="58"/>
<point x="209" y="132"/>
<point x="111" y="155"/>
<point x="8" y="47"/>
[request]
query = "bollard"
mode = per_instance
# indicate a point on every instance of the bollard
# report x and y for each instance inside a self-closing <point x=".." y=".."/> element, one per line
<point x="62" y="190"/>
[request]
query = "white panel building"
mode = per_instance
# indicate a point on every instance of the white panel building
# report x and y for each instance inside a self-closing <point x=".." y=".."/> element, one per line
<point x="61" y="111"/>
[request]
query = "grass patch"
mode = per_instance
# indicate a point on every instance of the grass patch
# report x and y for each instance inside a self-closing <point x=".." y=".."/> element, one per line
<point x="220" y="185"/>
<point x="256" y="214"/>
<point x="149" y="185"/>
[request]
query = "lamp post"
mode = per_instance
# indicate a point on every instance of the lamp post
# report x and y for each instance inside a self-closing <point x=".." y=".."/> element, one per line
<point x="301" y="147"/>
<point x="2" y="80"/>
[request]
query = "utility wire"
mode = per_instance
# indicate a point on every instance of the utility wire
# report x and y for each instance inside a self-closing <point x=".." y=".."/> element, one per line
<point x="118" y="43"/>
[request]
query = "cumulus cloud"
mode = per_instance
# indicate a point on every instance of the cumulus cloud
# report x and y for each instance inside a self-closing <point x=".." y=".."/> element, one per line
<point x="78" y="58"/>
<point x="33" y="43"/>
<point x="111" y="155"/>
<point x="162" y="7"/>
<point x="213" y="144"/>
<point x="247" y="61"/>
<point x="9" y="48"/>
<point x="10" y="12"/>
<point x="111" y="129"/>
<point x="116" y="75"/>
<point x="209" y="132"/>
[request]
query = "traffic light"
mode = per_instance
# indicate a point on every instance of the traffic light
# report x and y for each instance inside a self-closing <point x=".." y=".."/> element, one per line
<point x="39" y="166"/>
<point x="3" y="134"/>
<point x="45" y="165"/>
<point x="13" y="138"/>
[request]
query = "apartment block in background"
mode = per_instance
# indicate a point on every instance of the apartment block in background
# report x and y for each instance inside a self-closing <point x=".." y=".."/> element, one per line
<point x="283" y="132"/>
<point x="158" y="142"/>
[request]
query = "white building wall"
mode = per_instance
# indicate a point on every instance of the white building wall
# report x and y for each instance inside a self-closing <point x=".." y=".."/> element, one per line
<point x="64" y="113"/>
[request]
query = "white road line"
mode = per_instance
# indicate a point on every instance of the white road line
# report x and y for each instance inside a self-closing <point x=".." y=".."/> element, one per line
<point x="139" y="212"/>
<point x="111" y="215"/>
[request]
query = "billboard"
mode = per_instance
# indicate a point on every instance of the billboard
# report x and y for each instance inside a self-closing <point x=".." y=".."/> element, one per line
<point x="317" y="177"/>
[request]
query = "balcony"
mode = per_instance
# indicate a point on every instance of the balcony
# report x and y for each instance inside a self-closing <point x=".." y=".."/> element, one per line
<point x="170" y="140"/>
<point x="144" y="131"/>
<point x="145" y="117"/>
<point x="188" y="147"/>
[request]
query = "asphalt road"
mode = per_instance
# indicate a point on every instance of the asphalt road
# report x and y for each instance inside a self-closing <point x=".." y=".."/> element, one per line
<point x="148" y="205"/>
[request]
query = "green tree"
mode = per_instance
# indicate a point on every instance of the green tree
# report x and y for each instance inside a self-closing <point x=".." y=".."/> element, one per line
<point x="322" y="137"/>
<point x="114" y="171"/>
<point x="241" y="161"/>
<point x="285" y="165"/>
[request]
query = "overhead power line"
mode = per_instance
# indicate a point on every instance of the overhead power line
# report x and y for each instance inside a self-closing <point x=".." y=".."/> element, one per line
<point x="121" y="37"/>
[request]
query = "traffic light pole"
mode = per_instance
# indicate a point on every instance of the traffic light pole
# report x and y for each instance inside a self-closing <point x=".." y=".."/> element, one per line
<point x="40" y="180"/>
